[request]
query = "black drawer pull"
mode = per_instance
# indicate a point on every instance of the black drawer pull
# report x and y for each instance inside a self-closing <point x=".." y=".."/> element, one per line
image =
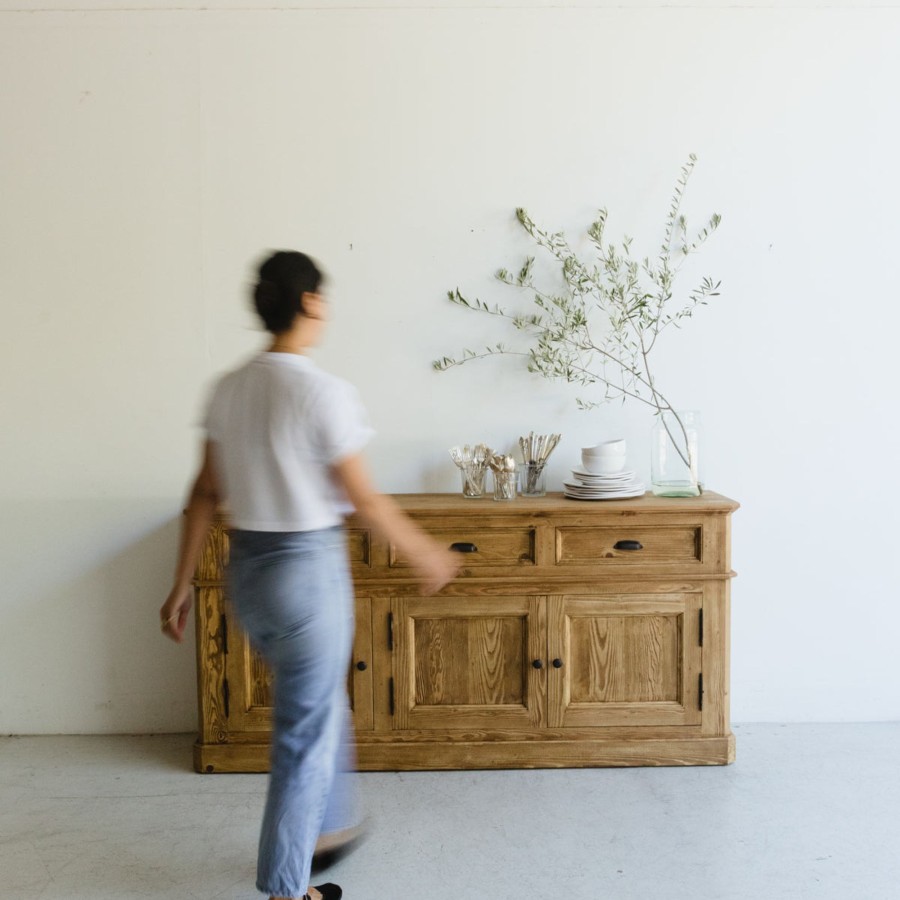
<point x="557" y="663"/>
<point x="628" y="545"/>
<point x="538" y="664"/>
<point x="463" y="547"/>
<point x="361" y="665"/>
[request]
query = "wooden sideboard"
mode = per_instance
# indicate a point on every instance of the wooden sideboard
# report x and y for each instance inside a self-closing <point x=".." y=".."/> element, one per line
<point x="577" y="634"/>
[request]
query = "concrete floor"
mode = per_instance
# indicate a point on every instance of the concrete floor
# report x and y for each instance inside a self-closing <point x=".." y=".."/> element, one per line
<point x="807" y="811"/>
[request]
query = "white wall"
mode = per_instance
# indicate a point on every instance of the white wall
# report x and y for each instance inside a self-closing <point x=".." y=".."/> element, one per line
<point x="148" y="157"/>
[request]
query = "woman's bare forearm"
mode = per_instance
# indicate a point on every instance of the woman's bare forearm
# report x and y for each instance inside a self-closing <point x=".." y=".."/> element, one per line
<point x="201" y="510"/>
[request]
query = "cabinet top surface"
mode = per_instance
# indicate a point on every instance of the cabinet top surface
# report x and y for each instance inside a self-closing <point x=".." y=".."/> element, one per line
<point x="556" y="502"/>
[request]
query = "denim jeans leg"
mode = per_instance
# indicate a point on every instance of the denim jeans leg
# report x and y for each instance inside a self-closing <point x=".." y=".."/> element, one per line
<point x="292" y="594"/>
<point x="343" y="810"/>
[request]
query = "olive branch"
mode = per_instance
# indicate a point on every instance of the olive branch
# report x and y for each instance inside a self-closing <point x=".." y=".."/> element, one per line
<point x="601" y="328"/>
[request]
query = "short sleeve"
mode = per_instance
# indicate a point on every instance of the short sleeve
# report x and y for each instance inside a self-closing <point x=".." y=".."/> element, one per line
<point x="342" y="424"/>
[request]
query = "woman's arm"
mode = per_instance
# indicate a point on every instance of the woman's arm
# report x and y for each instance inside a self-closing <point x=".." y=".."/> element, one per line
<point x="202" y="504"/>
<point x="434" y="564"/>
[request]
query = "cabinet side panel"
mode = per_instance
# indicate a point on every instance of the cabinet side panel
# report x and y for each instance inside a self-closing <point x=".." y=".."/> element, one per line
<point x="717" y="658"/>
<point x="211" y="664"/>
<point x="214" y="555"/>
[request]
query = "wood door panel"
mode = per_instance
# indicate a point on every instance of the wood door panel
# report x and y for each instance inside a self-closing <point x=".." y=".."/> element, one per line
<point x="469" y="664"/>
<point x="626" y="660"/>
<point x="249" y="683"/>
<point x="362" y="668"/>
<point x="607" y="649"/>
<point x="476" y="661"/>
<point x="259" y="686"/>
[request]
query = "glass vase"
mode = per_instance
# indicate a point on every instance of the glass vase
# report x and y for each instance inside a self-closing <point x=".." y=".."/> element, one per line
<point x="675" y="454"/>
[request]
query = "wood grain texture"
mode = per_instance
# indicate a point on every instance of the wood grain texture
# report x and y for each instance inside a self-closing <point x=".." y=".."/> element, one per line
<point x="210" y="640"/>
<point x="495" y="546"/>
<point x="450" y="681"/>
<point x="462" y="666"/>
<point x="432" y="755"/>
<point x="660" y="544"/>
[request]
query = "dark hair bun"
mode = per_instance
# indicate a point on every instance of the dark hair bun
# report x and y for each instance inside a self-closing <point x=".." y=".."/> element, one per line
<point x="283" y="279"/>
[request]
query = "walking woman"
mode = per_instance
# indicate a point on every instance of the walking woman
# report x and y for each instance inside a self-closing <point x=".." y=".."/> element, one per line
<point x="283" y="452"/>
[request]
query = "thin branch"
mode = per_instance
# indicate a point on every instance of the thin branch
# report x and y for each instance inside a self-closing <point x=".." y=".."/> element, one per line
<point x="630" y="293"/>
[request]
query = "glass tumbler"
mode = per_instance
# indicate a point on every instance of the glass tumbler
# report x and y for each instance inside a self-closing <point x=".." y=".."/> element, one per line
<point x="505" y="484"/>
<point x="472" y="480"/>
<point x="531" y="480"/>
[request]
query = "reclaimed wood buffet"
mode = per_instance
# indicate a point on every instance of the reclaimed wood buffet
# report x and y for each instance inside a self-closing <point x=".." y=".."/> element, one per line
<point x="576" y="634"/>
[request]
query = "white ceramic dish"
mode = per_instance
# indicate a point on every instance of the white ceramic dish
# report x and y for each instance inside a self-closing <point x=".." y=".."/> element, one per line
<point x="606" y="465"/>
<point x="602" y="489"/>
<point x="638" y="491"/>
<point x="594" y="477"/>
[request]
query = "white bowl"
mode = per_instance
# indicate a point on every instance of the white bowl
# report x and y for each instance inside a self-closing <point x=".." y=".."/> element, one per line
<point x="603" y="455"/>
<point x="606" y="448"/>
<point x="603" y="465"/>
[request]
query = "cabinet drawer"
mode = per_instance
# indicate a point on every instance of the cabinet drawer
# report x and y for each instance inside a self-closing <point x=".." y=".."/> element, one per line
<point x="482" y="546"/>
<point x="359" y="548"/>
<point x="629" y="545"/>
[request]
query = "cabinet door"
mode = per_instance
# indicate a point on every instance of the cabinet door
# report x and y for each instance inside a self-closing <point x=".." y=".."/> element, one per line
<point x="624" y="659"/>
<point x="462" y="662"/>
<point x="247" y="685"/>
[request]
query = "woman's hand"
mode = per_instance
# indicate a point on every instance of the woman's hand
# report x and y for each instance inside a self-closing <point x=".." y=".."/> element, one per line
<point x="174" y="613"/>
<point x="433" y="564"/>
<point x="435" y="567"/>
<point x="201" y="509"/>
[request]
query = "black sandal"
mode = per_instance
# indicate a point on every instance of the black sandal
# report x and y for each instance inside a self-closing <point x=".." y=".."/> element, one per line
<point x="328" y="891"/>
<point x="325" y="859"/>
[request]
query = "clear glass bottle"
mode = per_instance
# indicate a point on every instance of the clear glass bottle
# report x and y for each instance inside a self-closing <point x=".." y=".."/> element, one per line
<point x="675" y="454"/>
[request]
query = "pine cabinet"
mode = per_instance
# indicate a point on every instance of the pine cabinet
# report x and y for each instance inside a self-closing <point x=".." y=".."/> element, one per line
<point x="576" y="634"/>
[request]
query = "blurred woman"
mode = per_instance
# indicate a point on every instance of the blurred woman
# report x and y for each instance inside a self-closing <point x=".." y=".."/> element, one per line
<point x="283" y="452"/>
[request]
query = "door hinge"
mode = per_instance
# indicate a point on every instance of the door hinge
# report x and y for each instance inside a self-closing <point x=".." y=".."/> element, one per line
<point x="701" y="626"/>
<point x="226" y="694"/>
<point x="700" y="691"/>
<point x="391" y="695"/>
<point x="390" y="634"/>
<point x="223" y="628"/>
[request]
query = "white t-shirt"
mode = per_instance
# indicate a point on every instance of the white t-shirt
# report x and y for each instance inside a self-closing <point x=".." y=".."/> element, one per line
<point x="277" y="424"/>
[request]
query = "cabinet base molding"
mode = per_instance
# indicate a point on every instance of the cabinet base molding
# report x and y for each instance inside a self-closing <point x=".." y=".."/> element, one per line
<point x="422" y="756"/>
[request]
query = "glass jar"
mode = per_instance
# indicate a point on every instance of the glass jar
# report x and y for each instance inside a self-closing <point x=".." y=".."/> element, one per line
<point x="505" y="484"/>
<point x="531" y="480"/>
<point x="472" y="480"/>
<point x="675" y="454"/>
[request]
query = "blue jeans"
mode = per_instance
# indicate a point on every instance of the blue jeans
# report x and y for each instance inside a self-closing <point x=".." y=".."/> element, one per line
<point x="293" y="596"/>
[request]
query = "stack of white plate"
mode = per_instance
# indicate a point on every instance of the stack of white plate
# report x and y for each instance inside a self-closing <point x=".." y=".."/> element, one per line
<point x="588" y="486"/>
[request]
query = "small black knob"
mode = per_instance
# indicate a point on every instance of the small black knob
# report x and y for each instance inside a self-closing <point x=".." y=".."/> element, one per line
<point x="463" y="547"/>
<point x="628" y="545"/>
<point x="361" y="665"/>
<point x="557" y="663"/>
<point x="538" y="664"/>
